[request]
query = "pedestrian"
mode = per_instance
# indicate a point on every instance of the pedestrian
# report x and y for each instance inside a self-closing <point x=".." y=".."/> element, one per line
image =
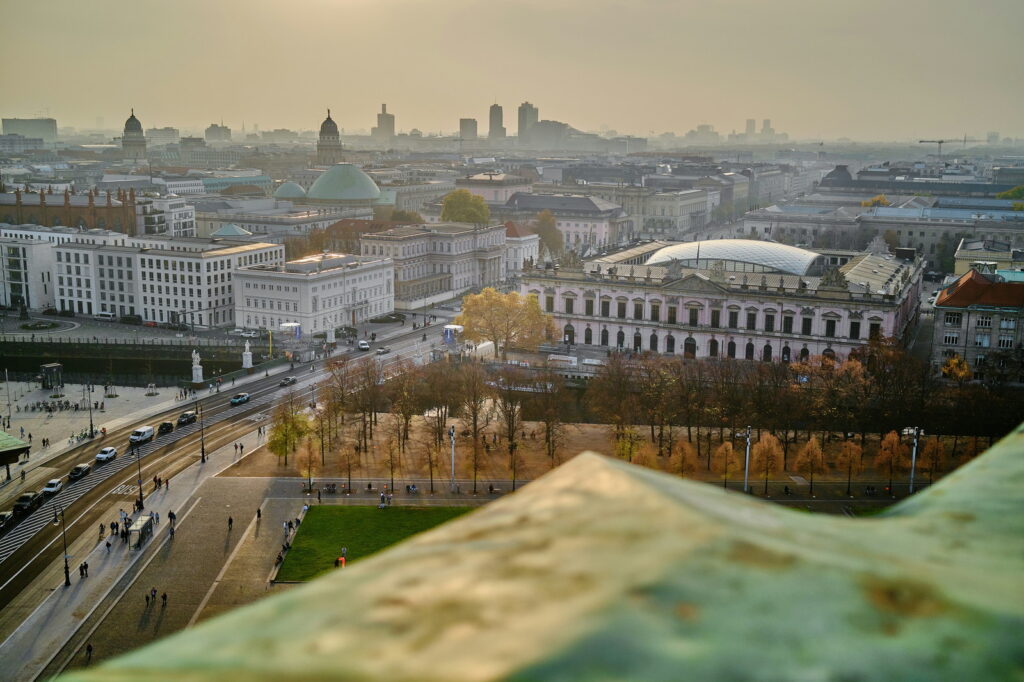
<point x="172" y="532"/>
<point x="88" y="652"/>
<point x="234" y="446"/>
<point x="157" y="515"/>
<point x="81" y="571"/>
<point x="259" y="514"/>
<point x="231" y="522"/>
<point x="108" y="545"/>
<point x="163" y="598"/>
<point x="147" y="600"/>
<point x="344" y="552"/>
<point x="318" y="499"/>
<point x="290" y="526"/>
<point x="152" y="594"/>
<point x="86" y="567"/>
<point x="284" y="526"/>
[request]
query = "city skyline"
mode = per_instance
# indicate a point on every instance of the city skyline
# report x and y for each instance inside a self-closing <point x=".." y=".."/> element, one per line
<point x="816" y="71"/>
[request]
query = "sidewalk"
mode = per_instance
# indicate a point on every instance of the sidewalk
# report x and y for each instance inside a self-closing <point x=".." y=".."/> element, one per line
<point x="26" y="652"/>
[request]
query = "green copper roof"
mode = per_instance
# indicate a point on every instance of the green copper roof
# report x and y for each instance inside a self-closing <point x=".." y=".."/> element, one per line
<point x="231" y="230"/>
<point x="289" y="190"/>
<point x="344" y="182"/>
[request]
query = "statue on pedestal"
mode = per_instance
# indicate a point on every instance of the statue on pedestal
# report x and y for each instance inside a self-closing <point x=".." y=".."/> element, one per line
<point x="197" y="368"/>
<point x="247" y="357"/>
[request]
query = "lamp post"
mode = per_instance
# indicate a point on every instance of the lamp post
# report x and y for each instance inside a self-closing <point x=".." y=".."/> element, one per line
<point x="88" y="403"/>
<point x="202" y="432"/>
<point x="64" y="535"/>
<point x="746" y="465"/>
<point x="138" y="464"/>
<point x="451" y="437"/>
<point x="913" y="458"/>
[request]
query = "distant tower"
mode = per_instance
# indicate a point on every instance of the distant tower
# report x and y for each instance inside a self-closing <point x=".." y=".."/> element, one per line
<point x="527" y="119"/>
<point x="751" y="127"/>
<point x="384" y="131"/>
<point x="766" y="127"/>
<point x="467" y="129"/>
<point x="497" y="129"/>
<point x="133" y="142"/>
<point x="328" y="148"/>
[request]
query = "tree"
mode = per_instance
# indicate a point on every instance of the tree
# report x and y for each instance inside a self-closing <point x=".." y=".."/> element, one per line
<point x="933" y="458"/>
<point x="956" y="369"/>
<point x="288" y="426"/>
<point x="547" y="399"/>
<point x="438" y="395"/>
<point x="1015" y="193"/>
<point x="612" y="393"/>
<point x="461" y="206"/>
<point x="509" y="403"/>
<point x="474" y="395"/>
<point x="402" y="390"/>
<point x="767" y="454"/>
<point x="506" y="320"/>
<point x="401" y="216"/>
<point x="688" y="459"/>
<point x="891" y="456"/>
<point x="810" y="460"/>
<point x="849" y="460"/>
<point x="726" y="460"/>
<point x="877" y="200"/>
<point x="627" y="443"/>
<point x="891" y="239"/>
<point x="551" y="239"/>
<point x="307" y="461"/>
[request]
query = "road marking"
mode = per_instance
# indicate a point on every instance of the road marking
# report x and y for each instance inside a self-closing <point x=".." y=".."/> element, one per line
<point x="117" y="601"/>
<point x="124" y="489"/>
<point x="223" y="570"/>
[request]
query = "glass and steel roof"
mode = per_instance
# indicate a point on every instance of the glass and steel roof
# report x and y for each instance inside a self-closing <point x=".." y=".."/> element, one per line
<point x="744" y="255"/>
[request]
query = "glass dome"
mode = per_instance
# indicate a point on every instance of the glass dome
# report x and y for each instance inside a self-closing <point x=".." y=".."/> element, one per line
<point x="740" y="255"/>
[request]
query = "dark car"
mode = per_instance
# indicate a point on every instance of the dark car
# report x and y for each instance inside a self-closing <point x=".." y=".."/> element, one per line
<point x="27" y="502"/>
<point x="6" y="521"/>
<point x="239" y="398"/>
<point x="165" y="427"/>
<point x="288" y="381"/>
<point x="79" y="471"/>
<point x="187" y="418"/>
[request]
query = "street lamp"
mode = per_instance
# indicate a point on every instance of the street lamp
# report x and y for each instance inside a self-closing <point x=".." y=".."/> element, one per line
<point x="64" y="535"/>
<point x="202" y="432"/>
<point x="746" y="465"/>
<point x="88" y="403"/>
<point x="451" y="436"/>
<point x="138" y="463"/>
<point x="913" y="457"/>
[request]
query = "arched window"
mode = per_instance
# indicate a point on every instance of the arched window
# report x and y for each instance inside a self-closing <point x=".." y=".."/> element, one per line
<point x="654" y="342"/>
<point x="604" y="337"/>
<point x="766" y="354"/>
<point x="638" y="342"/>
<point x="804" y="354"/>
<point x="713" y="348"/>
<point x="690" y="348"/>
<point x="569" y="335"/>
<point x="786" y="353"/>
<point x="670" y="344"/>
<point x="749" y="350"/>
<point x="620" y="339"/>
<point x="730" y="349"/>
<point x="588" y="336"/>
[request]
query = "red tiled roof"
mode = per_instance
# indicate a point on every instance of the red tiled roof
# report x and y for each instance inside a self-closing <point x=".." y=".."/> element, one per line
<point x="515" y="230"/>
<point x="975" y="289"/>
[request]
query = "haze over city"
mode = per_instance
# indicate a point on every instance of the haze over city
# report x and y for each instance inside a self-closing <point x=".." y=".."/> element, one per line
<point x="871" y="70"/>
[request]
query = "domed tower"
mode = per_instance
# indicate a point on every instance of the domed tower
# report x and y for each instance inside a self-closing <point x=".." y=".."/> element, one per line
<point x="328" y="148"/>
<point x="133" y="142"/>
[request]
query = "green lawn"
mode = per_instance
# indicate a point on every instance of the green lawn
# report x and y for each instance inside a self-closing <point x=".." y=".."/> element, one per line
<point x="363" y="530"/>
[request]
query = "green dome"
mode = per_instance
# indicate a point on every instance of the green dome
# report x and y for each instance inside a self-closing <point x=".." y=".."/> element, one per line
<point x="289" y="190"/>
<point x="343" y="182"/>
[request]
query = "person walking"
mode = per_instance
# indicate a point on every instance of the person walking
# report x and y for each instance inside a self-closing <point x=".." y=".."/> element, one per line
<point x="259" y="514"/>
<point x="88" y="652"/>
<point x="147" y="600"/>
<point x="231" y="522"/>
<point x="172" y="532"/>
<point x="163" y="599"/>
<point x="152" y="595"/>
<point x="85" y="565"/>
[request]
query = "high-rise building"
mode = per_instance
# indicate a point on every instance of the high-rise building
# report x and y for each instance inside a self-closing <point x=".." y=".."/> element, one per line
<point x="384" y="131"/>
<point x="133" y="142"/>
<point x="328" y="147"/>
<point x="497" y="127"/>
<point x="766" y="127"/>
<point x="44" y="128"/>
<point x="159" y="137"/>
<point x="218" y="133"/>
<point x="751" y="127"/>
<point x="527" y="119"/>
<point x="993" y="137"/>
<point x="467" y="129"/>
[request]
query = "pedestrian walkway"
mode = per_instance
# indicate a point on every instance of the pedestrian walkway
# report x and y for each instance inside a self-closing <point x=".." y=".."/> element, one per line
<point x="26" y="652"/>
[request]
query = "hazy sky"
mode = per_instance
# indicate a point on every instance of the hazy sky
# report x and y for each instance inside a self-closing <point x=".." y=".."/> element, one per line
<point x="868" y="69"/>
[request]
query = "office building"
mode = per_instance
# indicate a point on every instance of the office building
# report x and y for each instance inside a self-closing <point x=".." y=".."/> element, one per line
<point x="467" y="129"/>
<point x="42" y="128"/>
<point x="218" y="133"/>
<point x="528" y="116"/>
<point x="496" y="131"/>
<point x="384" y="131"/>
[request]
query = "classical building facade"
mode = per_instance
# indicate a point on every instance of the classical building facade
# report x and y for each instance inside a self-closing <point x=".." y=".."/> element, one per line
<point x="437" y="262"/>
<point x="494" y="187"/>
<point x="328" y="147"/>
<point x="732" y="298"/>
<point x="320" y="292"/>
<point x="90" y="210"/>
<point x="133" y="141"/>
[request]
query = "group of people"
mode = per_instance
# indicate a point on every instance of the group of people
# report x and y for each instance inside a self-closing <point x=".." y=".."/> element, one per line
<point x="151" y="598"/>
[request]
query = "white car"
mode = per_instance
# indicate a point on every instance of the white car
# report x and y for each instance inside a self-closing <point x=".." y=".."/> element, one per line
<point x="363" y="345"/>
<point x="53" y="486"/>
<point x="106" y="454"/>
<point x="249" y="334"/>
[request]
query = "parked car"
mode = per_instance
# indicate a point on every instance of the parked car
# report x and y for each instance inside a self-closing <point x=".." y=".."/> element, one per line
<point x="383" y="350"/>
<point x="165" y="427"/>
<point x="27" y="502"/>
<point x="53" y="486"/>
<point x="288" y="381"/>
<point x="187" y="418"/>
<point x="249" y="334"/>
<point x="141" y="435"/>
<point x="239" y="398"/>
<point x="363" y="345"/>
<point x="149" y="324"/>
<point x="79" y="471"/>
<point x="6" y="521"/>
<point x="106" y="455"/>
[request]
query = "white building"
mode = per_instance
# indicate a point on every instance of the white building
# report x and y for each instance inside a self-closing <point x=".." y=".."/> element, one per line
<point x="320" y="292"/>
<point x="168" y="215"/>
<point x="521" y="247"/>
<point x="26" y="274"/>
<point x="438" y="262"/>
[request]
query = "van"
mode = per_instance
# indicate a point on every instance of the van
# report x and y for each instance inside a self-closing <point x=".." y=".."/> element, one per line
<point x="106" y="317"/>
<point x="143" y="434"/>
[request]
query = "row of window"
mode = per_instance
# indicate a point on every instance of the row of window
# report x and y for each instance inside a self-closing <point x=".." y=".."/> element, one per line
<point x="732" y="318"/>
<point x="981" y="340"/>
<point x="980" y="321"/>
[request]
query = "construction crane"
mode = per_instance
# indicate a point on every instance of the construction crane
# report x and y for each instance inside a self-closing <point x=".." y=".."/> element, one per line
<point x="965" y="140"/>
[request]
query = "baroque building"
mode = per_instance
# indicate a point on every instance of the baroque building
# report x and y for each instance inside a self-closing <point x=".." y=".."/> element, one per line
<point x="328" y="147"/>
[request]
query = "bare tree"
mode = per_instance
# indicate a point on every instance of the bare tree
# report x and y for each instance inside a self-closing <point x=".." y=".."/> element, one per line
<point x="474" y="407"/>
<point x="509" y="391"/>
<point x="548" y="400"/>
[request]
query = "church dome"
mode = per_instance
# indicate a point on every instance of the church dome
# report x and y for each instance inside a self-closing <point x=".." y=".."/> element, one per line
<point x="343" y="182"/>
<point x="132" y="125"/>
<point x="289" y="190"/>
<point x="328" y="127"/>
